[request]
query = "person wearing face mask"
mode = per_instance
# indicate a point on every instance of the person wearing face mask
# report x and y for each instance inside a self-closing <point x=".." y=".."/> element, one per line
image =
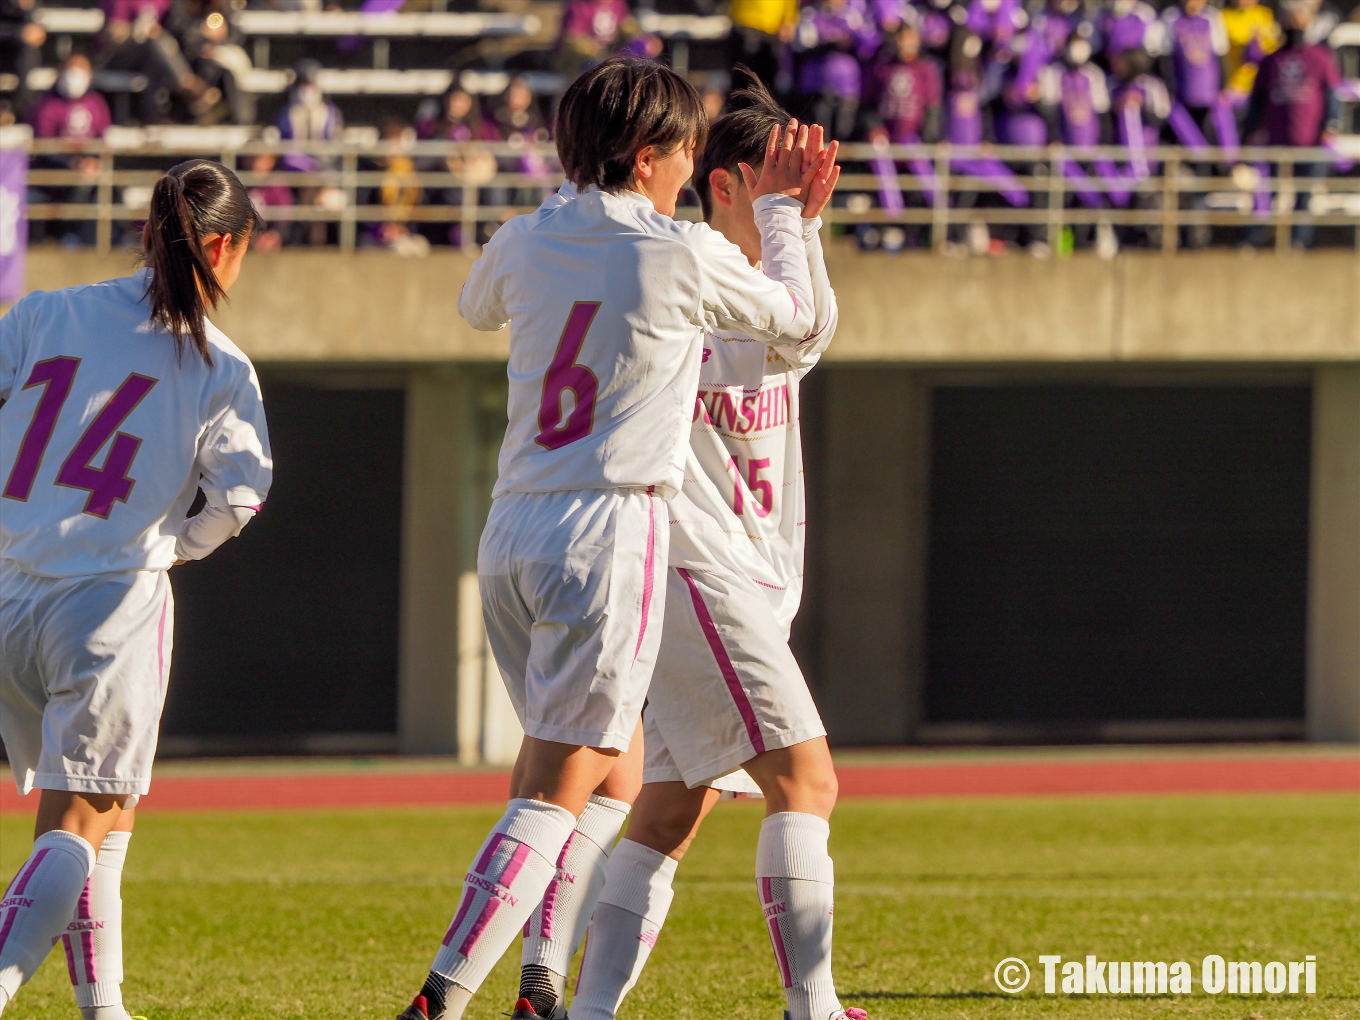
<point x="73" y="112"/>
<point x="1294" y="103"/>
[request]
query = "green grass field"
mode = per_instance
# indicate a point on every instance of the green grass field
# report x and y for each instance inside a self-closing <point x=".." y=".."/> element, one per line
<point x="336" y="914"/>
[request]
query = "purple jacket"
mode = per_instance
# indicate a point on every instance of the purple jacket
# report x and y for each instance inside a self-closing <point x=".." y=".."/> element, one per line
<point x="1149" y="94"/>
<point x="599" y="19"/>
<point x="1197" y="44"/>
<point x="1290" y="97"/>
<point x="997" y="24"/>
<point x="128" y="10"/>
<point x="1081" y="98"/>
<point x="73" y="119"/>
<point x="903" y="94"/>
<point x="1133" y="29"/>
<point x="839" y="40"/>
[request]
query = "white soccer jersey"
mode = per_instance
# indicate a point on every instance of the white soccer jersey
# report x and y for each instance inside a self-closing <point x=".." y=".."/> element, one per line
<point x="608" y="301"/>
<point x="742" y="508"/>
<point x="106" y="435"/>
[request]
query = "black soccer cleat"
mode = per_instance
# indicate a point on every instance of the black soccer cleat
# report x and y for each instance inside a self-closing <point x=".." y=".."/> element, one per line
<point x="418" y="1010"/>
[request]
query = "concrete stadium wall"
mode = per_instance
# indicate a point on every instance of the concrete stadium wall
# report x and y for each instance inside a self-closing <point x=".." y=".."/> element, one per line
<point x="310" y="306"/>
<point x="1139" y="319"/>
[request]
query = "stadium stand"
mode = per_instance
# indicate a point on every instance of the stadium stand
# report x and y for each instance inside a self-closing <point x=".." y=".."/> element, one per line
<point x="1070" y="123"/>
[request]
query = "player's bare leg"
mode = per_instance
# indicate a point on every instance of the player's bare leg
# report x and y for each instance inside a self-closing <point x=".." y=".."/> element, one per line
<point x="550" y="787"/>
<point x="42" y="898"/>
<point x="557" y="925"/>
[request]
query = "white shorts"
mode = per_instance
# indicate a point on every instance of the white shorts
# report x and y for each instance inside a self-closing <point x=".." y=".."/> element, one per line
<point x="83" y="670"/>
<point x="573" y="607"/>
<point x="726" y="685"/>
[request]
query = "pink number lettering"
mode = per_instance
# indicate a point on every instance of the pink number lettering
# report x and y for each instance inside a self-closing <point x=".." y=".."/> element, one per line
<point x="754" y="485"/>
<point x="55" y="376"/>
<point x="110" y="483"/>
<point x="564" y="374"/>
<point x="760" y="485"/>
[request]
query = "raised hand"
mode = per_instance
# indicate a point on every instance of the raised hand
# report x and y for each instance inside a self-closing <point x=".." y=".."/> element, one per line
<point x="821" y="183"/>
<point x="784" y="170"/>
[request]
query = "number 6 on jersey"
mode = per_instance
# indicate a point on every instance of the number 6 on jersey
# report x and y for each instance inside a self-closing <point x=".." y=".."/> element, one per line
<point x="557" y="430"/>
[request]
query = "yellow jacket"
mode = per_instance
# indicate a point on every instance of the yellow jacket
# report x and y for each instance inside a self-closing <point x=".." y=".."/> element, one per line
<point x="767" y="16"/>
<point x="1245" y="24"/>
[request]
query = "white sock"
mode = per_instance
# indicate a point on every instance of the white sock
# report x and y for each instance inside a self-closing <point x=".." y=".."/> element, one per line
<point x="38" y="904"/>
<point x="94" y="938"/>
<point x="623" y="930"/>
<point x="795" y="880"/>
<point x="505" y="883"/>
<point x="556" y="926"/>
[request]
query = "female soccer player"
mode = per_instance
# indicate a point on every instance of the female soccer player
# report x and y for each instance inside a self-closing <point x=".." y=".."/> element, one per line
<point x="726" y="690"/>
<point x="608" y="298"/>
<point x="121" y="401"/>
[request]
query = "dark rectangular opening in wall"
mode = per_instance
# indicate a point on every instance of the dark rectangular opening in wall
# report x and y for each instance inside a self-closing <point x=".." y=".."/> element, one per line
<point x="1117" y="554"/>
<point x="292" y="628"/>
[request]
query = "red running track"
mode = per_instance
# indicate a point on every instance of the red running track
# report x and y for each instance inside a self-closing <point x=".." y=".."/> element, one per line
<point x="956" y="779"/>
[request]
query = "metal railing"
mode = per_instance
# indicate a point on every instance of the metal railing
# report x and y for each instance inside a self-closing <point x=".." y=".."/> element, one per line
<point x="935" y="190"/>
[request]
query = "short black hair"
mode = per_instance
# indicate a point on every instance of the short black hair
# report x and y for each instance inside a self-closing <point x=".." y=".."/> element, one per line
<point x="739" y="136"/>
<point x="614" y="110"/>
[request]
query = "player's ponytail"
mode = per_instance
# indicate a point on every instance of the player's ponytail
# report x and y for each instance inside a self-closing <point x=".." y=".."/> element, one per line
<point x="194" y="199"/>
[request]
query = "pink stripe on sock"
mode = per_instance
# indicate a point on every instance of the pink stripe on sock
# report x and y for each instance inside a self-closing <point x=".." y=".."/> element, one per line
<point x="513" y="866"/>
<point x="459" y="915"/>
<point x="729" y="672"/>
<point x="777" y="938"/>
<point x="70" y="959"/>
<point x="484" y="861"/>
<point x="648" y="568"/>
<point x="479" y="926"/>
<point x="9" y="923"/>
<point x="766" y="896"/>
<point x="545" y="928"/>
<point x="87" y="956"/>
<point x="21" y="882"/>
<point x="83" y="904"/>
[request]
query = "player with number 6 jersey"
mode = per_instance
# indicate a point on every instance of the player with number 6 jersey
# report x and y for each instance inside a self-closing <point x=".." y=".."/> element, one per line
<point x="120" y="401"/>
<point x="608" y="298"/>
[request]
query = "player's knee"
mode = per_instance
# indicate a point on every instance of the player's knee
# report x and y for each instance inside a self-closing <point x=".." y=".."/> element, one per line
<point x="666" y="828"/>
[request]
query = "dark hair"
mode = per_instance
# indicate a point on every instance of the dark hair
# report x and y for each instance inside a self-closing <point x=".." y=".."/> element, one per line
<point x="739" y="136"/>
<point x="194" y="198"/>
<point x="614" y="110"/>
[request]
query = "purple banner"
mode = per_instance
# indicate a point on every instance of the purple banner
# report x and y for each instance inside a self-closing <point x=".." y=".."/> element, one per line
<point x="13" y="222"/>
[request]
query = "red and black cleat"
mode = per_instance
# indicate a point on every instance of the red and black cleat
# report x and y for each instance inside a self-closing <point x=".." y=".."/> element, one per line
<point x="418" y="1010"/>
<point x="524" y="1010"/>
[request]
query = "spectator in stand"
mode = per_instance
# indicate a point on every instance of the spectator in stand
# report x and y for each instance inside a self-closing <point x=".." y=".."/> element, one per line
<point x="310" y="117"/>
<point x="1129" y="25"/>
<point x="209" y="40"/>
<point x="1021" y="122"/>
<point x="591" y="31"/>
<point x="905" y="94"/>
<point x="762" y="31"/>
<point x="1294" y="102"/>
<point x="933" y="19"/>
<point x="1141" y="105"/>
<point x="1196" y="43"/>
<point x="889" y="16"/>
<point x="21" y="40"/>
<point x="1252" y="34"/>
<point x="134" y="40"/>
<point x="833" y="37"/>
<point x="74" y="113"/>
<point x="273" y="202"/>
<point x="996" y="21"/>
<point x="1051" y="27"/>
<point x="397" y="192"/>
<point x="518" y="120"/>
<point x="457" y="118"/>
